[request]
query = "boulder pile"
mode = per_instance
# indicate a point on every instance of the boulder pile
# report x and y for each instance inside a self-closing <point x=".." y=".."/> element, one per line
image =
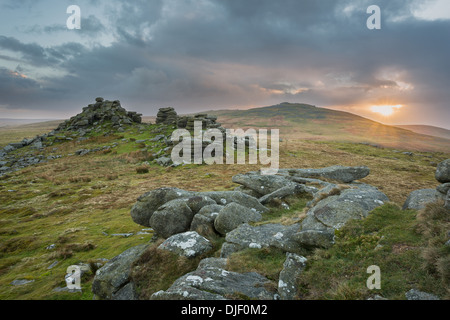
<point x="185" y="219"/>
<point x="99" y="113"/>
<point x="208" y="122"/>
<point x="167" y="116"/>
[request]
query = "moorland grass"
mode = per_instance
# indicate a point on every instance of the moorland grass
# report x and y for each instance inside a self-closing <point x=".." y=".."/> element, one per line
<point x="78" y="202"/>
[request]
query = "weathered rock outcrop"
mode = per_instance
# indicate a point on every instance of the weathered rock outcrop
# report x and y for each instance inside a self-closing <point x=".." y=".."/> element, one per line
<point x="112" y="281"/>
<point x="167" y="116"/>
<point x="181" y="216"/>
<point x="263" y="236"/>
<point x="94" y="118"/>
<point x="99" y="113"/>
<point x="148" y="203"/>
<point x="333" y="212"/>
<point x="212" y="282"/>
<point x="336" y="173"/>
<point x="171" y="210"/>
<point x="262" y="184"/>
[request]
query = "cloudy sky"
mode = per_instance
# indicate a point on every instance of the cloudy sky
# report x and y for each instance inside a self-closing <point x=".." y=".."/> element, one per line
<point x="198" y="55"/>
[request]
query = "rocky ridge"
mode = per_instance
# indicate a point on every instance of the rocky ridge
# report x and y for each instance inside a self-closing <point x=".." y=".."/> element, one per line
<point x="101" y="115"/>
<point x="109" y="117"/>
<point x="186" y="219"/>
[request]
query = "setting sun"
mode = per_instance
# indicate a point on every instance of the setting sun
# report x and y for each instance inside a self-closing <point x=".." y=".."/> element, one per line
<point x="385" y="110"/>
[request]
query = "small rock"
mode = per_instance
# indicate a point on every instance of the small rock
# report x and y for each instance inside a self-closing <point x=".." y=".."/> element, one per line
<point x="52" y="265"/>
<point x="164" y="161"/>
<point x="444" y="188"/>
<point x="157" y="138"/>
<point x="418" y="199"/>
<point x="115" y="274"/>
<point x="263" y="236"/>
<point x="226" y="197"/>
<point x="292" y="269"/>
<point x="171" y="218"/>
<point x="124" y="235"/>
<point x="338" y="173"/>
<point x="443" y="171"/>
<point x="232" y="216"/>
<point x="21" y="282"/>
<point x="203" y="221"/>
<point x="82" y="152"/>
<point x="211" y="282"/>
<point x="315" y="238"/>
<point x="127" y="293"/>
<point x="262" y="184"/>
<point x="148" y="203"/>
<point x="189" y="244"/>
<point x="291" y="189"/>
<point x="414" y="294"/>
<point x="376" y="297"/>
<point x="66" y="289"/>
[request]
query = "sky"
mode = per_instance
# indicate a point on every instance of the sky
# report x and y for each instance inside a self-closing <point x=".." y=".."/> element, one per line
<point x="198" y="55"/>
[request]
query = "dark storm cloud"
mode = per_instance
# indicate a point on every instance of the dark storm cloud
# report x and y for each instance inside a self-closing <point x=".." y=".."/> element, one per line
<point x="33" y="52"/>
<point x="16" y="89"/>
<point x="37" y="55"/>
<point x="203" y="54"/>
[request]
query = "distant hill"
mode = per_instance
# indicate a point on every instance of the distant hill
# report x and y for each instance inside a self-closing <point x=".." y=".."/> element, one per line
<point x="15" y="131"/>
<point x="303" y="121"/>
<point x="428" y="130"/>
<point x="15" y="122"/>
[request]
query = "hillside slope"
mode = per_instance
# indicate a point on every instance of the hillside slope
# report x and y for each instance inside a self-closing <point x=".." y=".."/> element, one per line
<point x="428" y="130"/>
<point x="16" y="132"/>
<point x="303" y="121"/>
<point x="75" y="207"/>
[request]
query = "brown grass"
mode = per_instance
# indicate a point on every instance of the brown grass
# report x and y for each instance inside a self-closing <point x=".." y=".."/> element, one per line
<point x="157" y="269"/>
<point x="142" y="170"/>
<point x="58" y="194"/>
<point x="67" y="250"/>
<point x="137" y="156"/>
<point x="79" y="179"/>
<point x="434" y="224"/>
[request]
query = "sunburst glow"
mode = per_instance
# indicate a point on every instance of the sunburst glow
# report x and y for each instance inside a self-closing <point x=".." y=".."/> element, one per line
<point x="385" y="110"/>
